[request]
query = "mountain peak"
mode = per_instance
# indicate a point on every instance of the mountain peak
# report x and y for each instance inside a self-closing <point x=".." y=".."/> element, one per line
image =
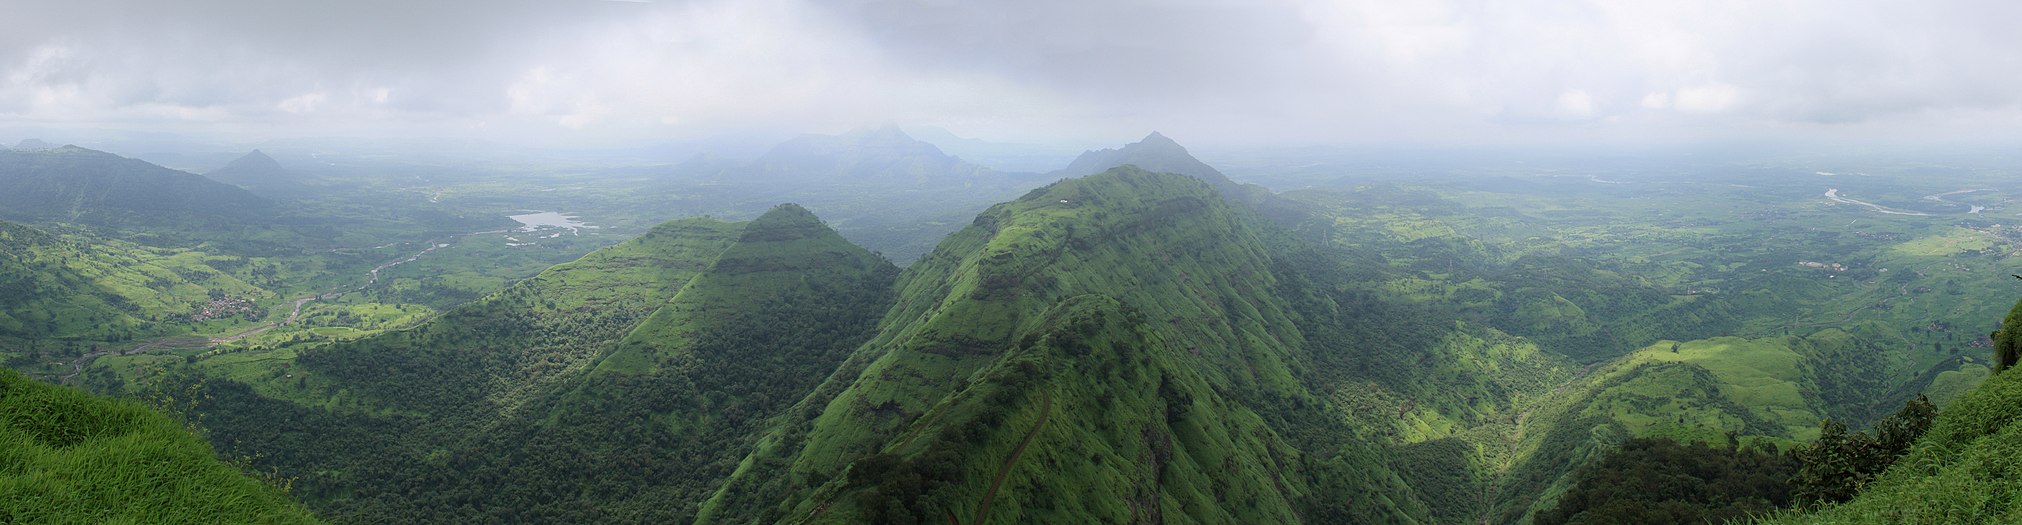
<point x="29" y="144"/>
<point x="889" y="130"/>
<point x="877" y="153"/>
<point x="1156" y="153"/>
<point x="785" y="222"/>
<point x="787" y="213"/>
<point x="256" y="161"/>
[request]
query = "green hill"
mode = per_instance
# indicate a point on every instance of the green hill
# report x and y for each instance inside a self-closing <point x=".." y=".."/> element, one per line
<point x="76" y="185"/>
<point x="1126" y="346"/>
<point x="1964" y="469"/>
<point x="1156" y="153"/>
<point x="620" y="387"/>
<point x="667" y="412"/>
<point x="261" y="174"/>
<point x="70" y="457"/>
<point x="78" y="287"/>
<point x="1102" y="349"/>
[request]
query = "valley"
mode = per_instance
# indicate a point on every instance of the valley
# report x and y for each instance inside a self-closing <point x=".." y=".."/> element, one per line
<point x="1437" y="350"/>
<point x="792" y="262"/>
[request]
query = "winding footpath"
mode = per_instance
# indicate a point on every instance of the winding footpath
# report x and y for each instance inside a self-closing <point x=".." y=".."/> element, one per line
<point x="186" y="342"/>
<point x="983" y="512"/>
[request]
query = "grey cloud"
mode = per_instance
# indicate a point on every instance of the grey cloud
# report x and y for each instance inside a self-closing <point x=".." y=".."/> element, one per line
<point x="1314" y="70"/>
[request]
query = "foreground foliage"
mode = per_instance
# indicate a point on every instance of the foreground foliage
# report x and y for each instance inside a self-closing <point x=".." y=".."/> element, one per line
<point x="1659" y="481"/>
<point x="69" y="457"/>
<point x="1839" y="463"/>
<point x="1966" y="469"/>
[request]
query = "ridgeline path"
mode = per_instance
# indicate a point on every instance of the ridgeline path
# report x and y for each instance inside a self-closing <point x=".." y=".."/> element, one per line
<point x="983" y="512"/>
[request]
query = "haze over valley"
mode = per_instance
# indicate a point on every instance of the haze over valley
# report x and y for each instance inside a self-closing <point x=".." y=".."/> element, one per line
<point x="1057" y="262"/>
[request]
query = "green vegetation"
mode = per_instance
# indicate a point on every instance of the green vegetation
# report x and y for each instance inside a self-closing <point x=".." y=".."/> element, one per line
<point x="1659" y="481"/>
<point x="649" y="363"/>
<point x="1838" y="463"/>
<point x="72" y="288"/>
<point x="1962" y="470"/>
<point x="71" y="457"/>
<point x="1133" y="311"/>
<point x="1125" y="346"/>
<point x="73" y="184"/>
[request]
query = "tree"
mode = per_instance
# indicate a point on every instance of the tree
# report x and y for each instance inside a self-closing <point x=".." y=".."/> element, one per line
<point x="1835" y="467"/>
<point x="2008" y="339"/>
<point x="1658" y="480"/>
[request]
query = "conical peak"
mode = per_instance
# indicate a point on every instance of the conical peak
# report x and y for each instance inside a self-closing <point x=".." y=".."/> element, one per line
<point x="785" y="222"/>
<point x="256" y="160"/>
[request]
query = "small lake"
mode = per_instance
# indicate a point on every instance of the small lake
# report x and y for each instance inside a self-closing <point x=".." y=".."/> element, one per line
<point x="549" y="219"/>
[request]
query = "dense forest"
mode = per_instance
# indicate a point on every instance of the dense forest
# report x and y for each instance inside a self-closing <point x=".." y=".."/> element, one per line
<point x="1127" y="345"/>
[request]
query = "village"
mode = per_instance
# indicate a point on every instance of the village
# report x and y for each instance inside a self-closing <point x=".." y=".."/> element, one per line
<point x="223" y="306"/>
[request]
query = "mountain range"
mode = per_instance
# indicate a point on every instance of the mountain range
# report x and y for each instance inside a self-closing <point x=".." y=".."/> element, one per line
<point x="76" y="185"/>
<point x="1141" y="340"/>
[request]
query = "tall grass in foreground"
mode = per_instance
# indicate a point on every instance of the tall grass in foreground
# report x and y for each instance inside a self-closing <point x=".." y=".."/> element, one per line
<point x="67" y="456"/>
<point x="1967" y="469"/>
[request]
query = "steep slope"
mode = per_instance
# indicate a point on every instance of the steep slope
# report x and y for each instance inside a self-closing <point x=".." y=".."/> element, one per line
<point x="94" y="289"/>
<point x="1104" y="348"/>
<point x="617" y="388"/>
<point x="1963" y="470"/>
<point x="498" y="350"/>
<point x="665" y="414"/>
<point x="357" y="421"/>
<point x="260" y="173"/>
<point x="76" y="458"/>
<point x="72" y="184"/>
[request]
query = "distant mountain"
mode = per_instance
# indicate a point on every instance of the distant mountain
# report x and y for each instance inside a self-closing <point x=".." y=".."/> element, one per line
<point x="260" y="173"/>
<point x="707" y="165"/>
<point x="77" y="185"/>
<point x="33" y="144"/>
<point x="884" y="154"/>
<point x="255" y="164"/>
<point x="880" y="187"/>
<point x="1155" y="153"/>
<point x="997" y="155"/>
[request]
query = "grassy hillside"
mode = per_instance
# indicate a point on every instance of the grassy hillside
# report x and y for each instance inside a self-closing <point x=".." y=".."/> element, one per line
<point x="617" y="388"/>
<point x="1613" y="276"/>
<point x="77" y="185"/>
<point x="70" y="457"/>
<point x="667" y="412"/>
<point x="357" y="421"/>
<point x="81" y="288"/>
<point x="1132" y="313"/>
<point x="1129" y="346"/>
<point x="1964" y="470"/>
<point x="499" y="349"/>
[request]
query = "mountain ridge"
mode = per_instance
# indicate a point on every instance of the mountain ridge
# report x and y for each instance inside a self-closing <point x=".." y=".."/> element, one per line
<point x="73" y="184"/>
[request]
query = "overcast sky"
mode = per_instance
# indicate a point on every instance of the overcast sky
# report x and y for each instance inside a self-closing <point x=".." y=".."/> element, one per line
<point x="1205" y="71"/>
